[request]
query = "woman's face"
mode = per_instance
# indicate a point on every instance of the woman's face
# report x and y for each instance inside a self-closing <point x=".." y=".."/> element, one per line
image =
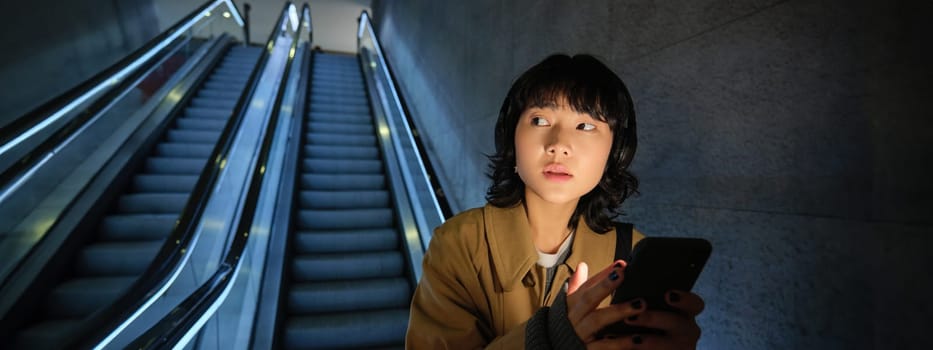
<point x="560" y="153"/>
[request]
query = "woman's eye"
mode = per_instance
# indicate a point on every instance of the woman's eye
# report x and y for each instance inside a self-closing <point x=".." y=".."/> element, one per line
<point x="586" y="127"/>
<point x="538" y="121"/>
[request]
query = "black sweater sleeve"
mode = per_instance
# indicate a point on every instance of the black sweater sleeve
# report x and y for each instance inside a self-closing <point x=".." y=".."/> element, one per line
<point x="550" y="328"/>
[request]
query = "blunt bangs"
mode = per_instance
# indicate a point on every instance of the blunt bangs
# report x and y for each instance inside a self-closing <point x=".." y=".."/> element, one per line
<point x="582" y="82"/>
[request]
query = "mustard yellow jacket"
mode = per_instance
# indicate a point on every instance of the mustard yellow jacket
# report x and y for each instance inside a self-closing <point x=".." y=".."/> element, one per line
<point x="481" y="283"/>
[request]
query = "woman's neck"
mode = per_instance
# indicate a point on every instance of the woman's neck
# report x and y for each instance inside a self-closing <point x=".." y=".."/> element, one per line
<point x="548" y="221"/>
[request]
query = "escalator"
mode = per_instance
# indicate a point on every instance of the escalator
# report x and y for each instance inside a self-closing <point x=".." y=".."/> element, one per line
<point x="123" y="243"/>
<point x="347" y="284"/>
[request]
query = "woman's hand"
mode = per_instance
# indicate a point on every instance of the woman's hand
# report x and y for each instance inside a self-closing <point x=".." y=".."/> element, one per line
<point x="680" y="330"/>
<point x="583" y="297"/>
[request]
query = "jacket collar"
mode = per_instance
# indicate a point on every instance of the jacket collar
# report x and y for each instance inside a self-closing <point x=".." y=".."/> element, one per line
<point x="513" y="253"/>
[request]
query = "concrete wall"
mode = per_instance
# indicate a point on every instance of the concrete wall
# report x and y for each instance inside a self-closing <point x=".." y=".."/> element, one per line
<point x="792" y="134"/>
<point x="52" y="46"/>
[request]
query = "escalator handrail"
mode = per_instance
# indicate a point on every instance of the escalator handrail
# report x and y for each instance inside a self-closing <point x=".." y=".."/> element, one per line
<point x="174" y="326"/>
<point x="442" y="206"/>
<point x="123" y="74"/>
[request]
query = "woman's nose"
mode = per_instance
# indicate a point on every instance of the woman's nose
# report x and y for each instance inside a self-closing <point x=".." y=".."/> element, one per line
<point x="557" y="145"/>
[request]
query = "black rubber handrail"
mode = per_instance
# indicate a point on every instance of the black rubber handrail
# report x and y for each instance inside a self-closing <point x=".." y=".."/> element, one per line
<point x="40" y="114"/>
<point x="170" y="329"/>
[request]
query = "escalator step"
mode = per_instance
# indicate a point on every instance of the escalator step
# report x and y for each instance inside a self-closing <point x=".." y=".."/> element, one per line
<point x="183" y="150"/>
<point x="348" y="266"/>
<point x="324" y="93"/>
<point x="359" y="109"/>
<point x="354" y="82"/>
<point x="341" y="118"/>
<point x="334" y="166"/>
<point x="346" y="241"/>
<point x="213" y="102"/>
<point x="200" y="124"/>
<point x="164" y="183"/>
<point x="360" y="100"/>
<point x="152" y="203"/>
<point x="347" y="68"/>
<point x="182" y="166"/>
<point x="341" y="152"/>
<point x="137" y="227"/>
<point x="343" y="296"/>
<point x="225" y="94"/>
<point x="340" y="128"/>
<point x="343" y="199"/>
<point x="232" y="71"/>
<point x="351" y="69"/>
<point x="233" y="79"/>
<point x="220" y="85"/>
<point x="342" y="182"/>
<point x="116" y="258"/>
<point x="241" y="59"/>
<point x="334" y="84"/>
<point x="176" y="135"/>
<point x="345" y="219"/>
<point x="80" y="297"/>
<point x="347" y="330"/>
<point x="200" y="112"/>
<point x="340" y="140"/>
<point x="339" y="79"/>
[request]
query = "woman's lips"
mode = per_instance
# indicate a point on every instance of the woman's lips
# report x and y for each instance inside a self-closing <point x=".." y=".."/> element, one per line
<point x="557" y="172"/>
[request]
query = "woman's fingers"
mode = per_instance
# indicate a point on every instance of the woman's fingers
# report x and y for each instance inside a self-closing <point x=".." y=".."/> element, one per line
<point x="620" y="343"/>
<point x="677" y="328"/>
<point x="655" y="342"/>
<point x="600" y="318"/>
<point x="578" y="278"/>
<point x="593" y="291"/>
<point x="688" y="303"/>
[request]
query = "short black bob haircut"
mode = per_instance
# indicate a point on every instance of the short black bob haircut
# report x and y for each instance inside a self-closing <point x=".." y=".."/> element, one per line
<point x="587" y="86"/>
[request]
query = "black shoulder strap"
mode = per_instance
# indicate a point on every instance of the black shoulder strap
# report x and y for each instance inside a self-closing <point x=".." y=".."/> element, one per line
<point x="623" y="241"/>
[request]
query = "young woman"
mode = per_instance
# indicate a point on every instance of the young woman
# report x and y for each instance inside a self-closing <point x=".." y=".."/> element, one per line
<point x="495" y="276"/>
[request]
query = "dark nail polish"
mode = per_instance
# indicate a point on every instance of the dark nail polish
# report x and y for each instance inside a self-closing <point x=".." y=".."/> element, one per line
<point x="636" y="304"/>
<point x="614" y="276"/>
<point x="675" y="297"/>
<point x="636" y="339"/>
<point x="633" y="318"/>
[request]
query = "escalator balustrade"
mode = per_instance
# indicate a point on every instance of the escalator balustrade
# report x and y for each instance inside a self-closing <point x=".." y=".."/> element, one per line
<point x="135" y="227"/>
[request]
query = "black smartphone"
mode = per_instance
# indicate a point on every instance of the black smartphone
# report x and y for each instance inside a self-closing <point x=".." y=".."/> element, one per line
<point x="658" y="265"/>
